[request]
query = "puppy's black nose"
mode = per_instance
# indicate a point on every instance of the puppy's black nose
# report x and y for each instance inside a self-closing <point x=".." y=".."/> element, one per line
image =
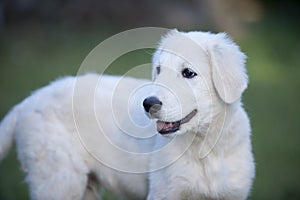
<point x="152" y="103"/>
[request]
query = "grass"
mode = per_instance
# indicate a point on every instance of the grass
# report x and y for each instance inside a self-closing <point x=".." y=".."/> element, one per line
<point x="32" y="57"/>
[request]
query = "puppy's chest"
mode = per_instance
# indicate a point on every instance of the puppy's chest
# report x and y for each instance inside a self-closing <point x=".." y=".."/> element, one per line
<point x="200" y="178"/>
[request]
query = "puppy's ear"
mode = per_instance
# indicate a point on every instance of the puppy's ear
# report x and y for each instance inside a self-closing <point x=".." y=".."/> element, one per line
<point x="228" y="68"/>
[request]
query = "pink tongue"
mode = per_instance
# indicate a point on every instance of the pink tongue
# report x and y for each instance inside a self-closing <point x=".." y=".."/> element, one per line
<point x="164" y="125"/>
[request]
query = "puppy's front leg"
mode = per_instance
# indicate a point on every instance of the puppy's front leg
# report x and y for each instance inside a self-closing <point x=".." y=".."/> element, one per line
<point x="168" y="196"/>
<point x="167" y="191"/>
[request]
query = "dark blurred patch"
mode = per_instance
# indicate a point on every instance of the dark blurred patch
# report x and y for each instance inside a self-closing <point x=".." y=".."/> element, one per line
<point x="227" y="16"/>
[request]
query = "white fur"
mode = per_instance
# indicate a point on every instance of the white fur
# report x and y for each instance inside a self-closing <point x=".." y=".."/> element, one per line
<point x="70" y="134"/>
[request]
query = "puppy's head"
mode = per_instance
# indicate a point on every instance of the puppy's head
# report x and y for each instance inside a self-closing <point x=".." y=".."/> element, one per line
<point x="193" y="74"/>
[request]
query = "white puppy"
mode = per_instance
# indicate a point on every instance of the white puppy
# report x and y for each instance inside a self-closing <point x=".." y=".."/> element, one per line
<point x="80" y="134"/>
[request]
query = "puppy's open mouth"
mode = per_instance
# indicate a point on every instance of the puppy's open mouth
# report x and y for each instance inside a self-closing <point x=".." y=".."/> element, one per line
<point x="171" y="127"/>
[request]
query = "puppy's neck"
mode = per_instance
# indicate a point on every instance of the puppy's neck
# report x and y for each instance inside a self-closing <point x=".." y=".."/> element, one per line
<point x="217" y="132"/>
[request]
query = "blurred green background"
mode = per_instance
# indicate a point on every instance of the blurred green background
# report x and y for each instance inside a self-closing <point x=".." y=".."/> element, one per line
<point x="43" y="40"/>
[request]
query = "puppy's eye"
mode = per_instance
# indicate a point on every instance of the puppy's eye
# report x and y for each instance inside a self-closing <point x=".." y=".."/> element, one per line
<point x="188" y="73"/>
<point x="158" y="70"/>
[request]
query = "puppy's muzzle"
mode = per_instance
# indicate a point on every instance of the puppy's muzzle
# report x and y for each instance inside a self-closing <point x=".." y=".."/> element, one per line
<point x="152" y="104"/>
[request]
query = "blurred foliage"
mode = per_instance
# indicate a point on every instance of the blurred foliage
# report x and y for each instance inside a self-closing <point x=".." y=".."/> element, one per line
<point x="272" y="104"/>
<point x="34" y="53"/>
